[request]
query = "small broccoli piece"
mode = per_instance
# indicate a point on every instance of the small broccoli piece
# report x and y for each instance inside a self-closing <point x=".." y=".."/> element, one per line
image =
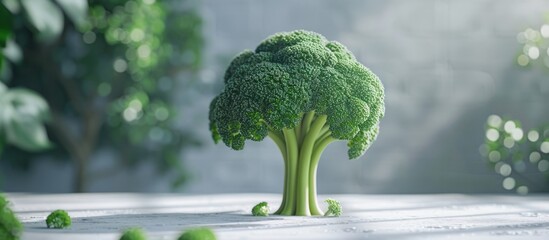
<point x="334" y="208"/>
<point x="58" y="219"/>
<point x="10" y="227"/>
<point x="133" y="234"/>
<point x="202" y="233"/>
<point x="261" y="209"/>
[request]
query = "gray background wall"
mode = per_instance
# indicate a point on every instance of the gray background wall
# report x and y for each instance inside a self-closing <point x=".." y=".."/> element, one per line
<point x="446" y="66"/>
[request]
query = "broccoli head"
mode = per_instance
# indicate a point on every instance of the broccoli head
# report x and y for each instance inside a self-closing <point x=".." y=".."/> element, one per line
<point x="334" y="208"/>
<point x="133" y="234"/>
<point x="58" y="219"/>
<point x="10" y="227"/>
<point x="304" y="92"/>
<point x="198" y="234"/>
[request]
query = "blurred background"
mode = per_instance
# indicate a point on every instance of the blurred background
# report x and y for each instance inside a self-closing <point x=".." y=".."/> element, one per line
<point x="113" y="95"/>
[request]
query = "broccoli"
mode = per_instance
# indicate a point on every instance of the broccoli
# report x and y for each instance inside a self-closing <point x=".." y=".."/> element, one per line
<point x="334" y="208"/>
<point x="198" y="234"/>
<point x="58" y="219"/>
<point x="261" y="209"/>
<point x="304" y="92"/>
<point x="10" y="227"/>
<point x="133" y="234"/>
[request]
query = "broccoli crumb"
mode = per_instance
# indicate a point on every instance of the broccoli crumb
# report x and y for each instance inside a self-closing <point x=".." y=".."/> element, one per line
<point x="334" y="208"/>
<point x="10" y="227"/>
<point x="133" y="234"/>
<point x="58" y="219"/>
<point x="198" y="234"/>
<point x="261" y="209"/>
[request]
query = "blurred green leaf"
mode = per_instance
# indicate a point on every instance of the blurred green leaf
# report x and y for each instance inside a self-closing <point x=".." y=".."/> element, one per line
<point x="2" y="143"/>
<point x="12" y="5"/>
<point x="5" y="25"/>
<point x="12" y="51"/>
<point x="22" y="117"/>
<point x="77" y="10"/>
<point x="28" y="134"/>
<point x="45" y="17"/>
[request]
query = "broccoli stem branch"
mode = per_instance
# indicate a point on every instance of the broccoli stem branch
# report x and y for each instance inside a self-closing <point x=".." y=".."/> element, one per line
<point x="279" y="141"/>
<point x="324" y="130"/>
<point x="320" y="145"/>
<point x="301" y="162"/>
<point x="292" y="152"/>
<point x="302" y="208"/>
<point x="298" y="130"/>
<point x="306" y="123"/>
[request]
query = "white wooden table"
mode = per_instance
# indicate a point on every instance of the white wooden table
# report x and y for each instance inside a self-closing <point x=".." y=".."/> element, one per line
<point x="163" y="216"/>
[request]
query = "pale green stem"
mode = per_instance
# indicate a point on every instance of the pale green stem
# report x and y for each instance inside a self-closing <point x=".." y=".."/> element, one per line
<point x="282" y="147"/>
<point x="302" y="195"/>
<point x="320" y="145"/>
<point x="292" y="154"/>
<point x="297" y="130"/>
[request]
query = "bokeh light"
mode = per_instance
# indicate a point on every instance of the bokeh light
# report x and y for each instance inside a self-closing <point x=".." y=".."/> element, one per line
<point x="533" y="53"/>
<point x="522" y="190"/>
<point x="509" y="183"/>
<point x="508" y="142"/>
<point x="494" y="121"/>
<point x="543" y="165"/>
<point x="544" y="147"/>
<point x="492" y="134"/>
<point x="505" y="170"/>
<point x="534" y="157"/>
<point x="523" y="60"/>
<point x="533" y="135"/>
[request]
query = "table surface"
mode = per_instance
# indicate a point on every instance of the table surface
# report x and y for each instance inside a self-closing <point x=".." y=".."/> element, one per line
<point x="163" y="216"/>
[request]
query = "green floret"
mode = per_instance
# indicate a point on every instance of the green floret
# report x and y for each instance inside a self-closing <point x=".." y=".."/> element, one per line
<point x="198" y="234"/>
<point x="10" y="227"/>
<point x="133" y="234"/>
<point x="304" y="92"/>
<point x="261" y="209"/>
<point x="334" y="208"/>
<point x="58" y="219"/>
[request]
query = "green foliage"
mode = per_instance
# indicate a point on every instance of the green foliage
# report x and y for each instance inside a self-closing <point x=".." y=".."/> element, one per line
<point x="22" y="112"/>
<point x="334" y="208"/>
<point x="261" y="209"/>
<point x="513" y="151"/>
<point x="10" y="227"/>
<point x="22" y="115"/>
<point x="58" y="219"/>
<point x="518" y="154"/>
<point x="133" y="234"/>
<point x="111" y="75"/>
<point x="304" y="92"/>
<point x="534" y="45"/>
<point x="202" y="233"/>
<point x="5" y="27"/>
<point x="294" y="73"/>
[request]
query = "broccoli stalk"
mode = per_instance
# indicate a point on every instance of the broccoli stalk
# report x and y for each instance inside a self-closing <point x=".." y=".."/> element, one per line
<point x="304" y="92"/>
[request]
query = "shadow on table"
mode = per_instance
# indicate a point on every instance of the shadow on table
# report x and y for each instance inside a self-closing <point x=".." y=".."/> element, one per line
<point x="160" y="222"/>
